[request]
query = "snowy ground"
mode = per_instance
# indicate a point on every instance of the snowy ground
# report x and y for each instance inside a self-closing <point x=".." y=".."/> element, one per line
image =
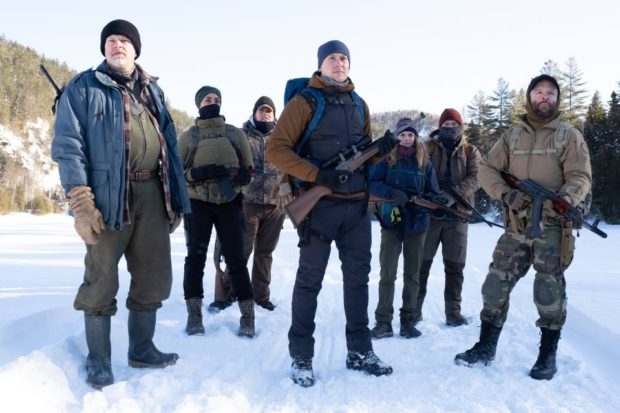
<point x="42" y="346"/>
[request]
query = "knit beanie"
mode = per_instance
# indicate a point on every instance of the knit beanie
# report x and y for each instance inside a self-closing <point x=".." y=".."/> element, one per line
<point x="333" y="46"/>
<point x="406" y="124"/>
<point x="450" y="114"/>
<point x="540" y="78"/>
<point x="122" y="27"/>
<point x="204" y="91"/>
<point x="264" y="100"/>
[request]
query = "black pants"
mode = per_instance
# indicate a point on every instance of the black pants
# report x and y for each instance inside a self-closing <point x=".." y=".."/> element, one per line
<point x="347" y="223"/>
<point x="228" y="221"/>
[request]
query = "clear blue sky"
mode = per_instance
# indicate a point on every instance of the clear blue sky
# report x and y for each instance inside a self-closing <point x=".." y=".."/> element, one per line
<point x="405" y="54"/>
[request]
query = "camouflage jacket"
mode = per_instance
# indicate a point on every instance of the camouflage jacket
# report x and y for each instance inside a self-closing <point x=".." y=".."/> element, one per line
<point x="264" y="187"/>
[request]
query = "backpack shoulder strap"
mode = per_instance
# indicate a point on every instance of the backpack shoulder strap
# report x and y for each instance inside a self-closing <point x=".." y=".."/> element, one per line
<point x="193" y="144"/>
<point x="560" y="136"/>
<point x="316" y="100"/>
<point x="359" y="103"/>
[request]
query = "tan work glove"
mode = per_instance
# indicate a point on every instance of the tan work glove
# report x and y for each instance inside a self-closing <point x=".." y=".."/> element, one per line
<point x="285" y="194"/>
<point x="88" y="221"/>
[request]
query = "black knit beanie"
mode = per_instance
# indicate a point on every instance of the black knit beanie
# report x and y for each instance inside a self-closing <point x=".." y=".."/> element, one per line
<point x="539" y="79"/>
<point x="204" y="91"/>
<point x="124" y="28"/>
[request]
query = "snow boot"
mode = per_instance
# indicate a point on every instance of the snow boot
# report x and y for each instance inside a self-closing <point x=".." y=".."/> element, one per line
<point x="407" y="328"/>
<point x="98" y="364"/>
<point x="266" y="304"/>
<point x="246" y="322"/>
<point x="142" y="351"/>
<point x="194" y="317"/>
<point x="483" y="352"/>
<point x="301" y="371"/>
<point x="368" y="362"/>
<point x="382" y="329"/>
<point x="545" y="367"/>
<point x="455" y="320"/>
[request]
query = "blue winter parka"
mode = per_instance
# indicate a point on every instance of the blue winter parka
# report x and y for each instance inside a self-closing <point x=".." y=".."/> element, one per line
<point x="89" y="143"/>
<point x="406" y="176"/>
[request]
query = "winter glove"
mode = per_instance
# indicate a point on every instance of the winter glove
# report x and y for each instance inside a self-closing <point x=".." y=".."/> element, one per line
<point x="175" y="222"/>
<point x="208" y="172"/>
<point x="515" y="199"/>
<point x="332" y="178"/>
<point x="88" y="221"/>
<point x="242" y="177"/>
<point x="400" y="197"/>
<point x="386" y="143"/>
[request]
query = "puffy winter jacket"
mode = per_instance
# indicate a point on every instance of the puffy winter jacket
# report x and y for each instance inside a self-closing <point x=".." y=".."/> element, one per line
<point x="89" y="143"/>
<point x="406" y="176"/>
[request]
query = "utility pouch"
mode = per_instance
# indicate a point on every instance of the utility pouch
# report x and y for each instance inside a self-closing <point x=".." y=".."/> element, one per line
<point x="567" y="246"/>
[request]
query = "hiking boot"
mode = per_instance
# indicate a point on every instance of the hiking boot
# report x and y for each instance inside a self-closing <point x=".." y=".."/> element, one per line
<point x="407" y="328"/>
<point x="455" y="320"/>
<point x="194" y="317"/>
<point x="142" y="351"/>
<point x="266" y="304"/>
<point x="246" y="322"/>
<point x="483" y="352"/>
<point x="382" y="329"/>
<point x="545" y="367"/>
<point x="368" y="362"/>
<point x="217" y="306"/>
<point x="98" y="364"/>
<point x="301" y="371"/>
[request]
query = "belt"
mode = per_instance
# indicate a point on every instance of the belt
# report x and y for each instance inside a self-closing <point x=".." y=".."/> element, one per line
<point x="143" y="175"/>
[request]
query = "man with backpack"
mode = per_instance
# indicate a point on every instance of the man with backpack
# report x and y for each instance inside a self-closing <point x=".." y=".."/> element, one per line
<point x="218" y="163"/>
<point x="549" y="151"/>
<point x="456" y="164"/>
<point x="325" y="118"/>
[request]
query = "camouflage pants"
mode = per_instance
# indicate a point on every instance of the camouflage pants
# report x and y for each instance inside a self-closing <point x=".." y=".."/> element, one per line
<point x="512" y="258"/>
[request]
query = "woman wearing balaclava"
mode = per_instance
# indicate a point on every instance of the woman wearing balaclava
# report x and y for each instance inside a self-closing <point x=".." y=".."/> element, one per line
<point x="218" y="162"/>
<point x="406" y="171"/>
<point x="456" y="163"/>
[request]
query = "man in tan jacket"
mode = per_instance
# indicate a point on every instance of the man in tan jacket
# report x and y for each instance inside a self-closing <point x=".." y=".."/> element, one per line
<point x="547" y="150"/>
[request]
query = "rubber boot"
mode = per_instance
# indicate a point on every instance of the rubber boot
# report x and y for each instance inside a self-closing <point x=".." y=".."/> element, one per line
<point x="142" y="352"/>
<point x="98" y="364"/>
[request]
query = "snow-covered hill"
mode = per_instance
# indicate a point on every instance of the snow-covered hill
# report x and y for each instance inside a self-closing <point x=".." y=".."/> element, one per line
<point x="42" y="346"/>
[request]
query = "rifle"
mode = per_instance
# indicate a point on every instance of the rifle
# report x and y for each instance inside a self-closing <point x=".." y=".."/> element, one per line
<point x="539" y="194"/>
<point x="301" y="206"/>
<point x="428" y="204"/>
<point x="58" y="90"/>
<point x="458" y="198"/>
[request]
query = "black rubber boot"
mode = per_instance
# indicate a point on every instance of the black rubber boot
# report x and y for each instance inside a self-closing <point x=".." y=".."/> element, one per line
<point x="483" y="352"/>
<point x="545" y="367"/>
<point x="194" y="317"/>
<point x="142" y="352"/>
<point x="98" y="364"/>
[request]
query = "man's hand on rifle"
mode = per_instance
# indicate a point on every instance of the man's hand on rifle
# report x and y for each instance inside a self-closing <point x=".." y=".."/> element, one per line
<point x="444" y="198"/>
<point x="386" y="143"/>
<point x="515" y="199"/>
<point x="208" y="172"/>
<point x="332" y="178"/>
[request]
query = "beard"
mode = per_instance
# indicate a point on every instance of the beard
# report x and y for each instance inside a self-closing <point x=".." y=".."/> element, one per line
<point x="545" y="111"/>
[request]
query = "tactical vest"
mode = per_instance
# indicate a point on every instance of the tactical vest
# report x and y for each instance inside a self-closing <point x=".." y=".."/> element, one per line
<point x="340" y="127"/>
<point x="559" y="139"/>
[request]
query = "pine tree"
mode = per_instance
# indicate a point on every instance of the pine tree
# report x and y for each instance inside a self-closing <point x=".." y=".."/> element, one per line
<point x="501" y="105"/>
<point x="480" y="114"/>
<point x="595" y="132"/>
<point x="573" y="93"/>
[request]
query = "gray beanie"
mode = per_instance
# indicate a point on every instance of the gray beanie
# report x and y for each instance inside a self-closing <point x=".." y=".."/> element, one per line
<point x="333" y="46"/>
<point x="204" y="91"/>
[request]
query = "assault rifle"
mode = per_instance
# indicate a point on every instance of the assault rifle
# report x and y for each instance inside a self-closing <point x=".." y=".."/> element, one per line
<point x="539" y="194"/>
<point x="428" y="204"/>
<point x="458" y="198"/>
<point x="301" y="206"/>
<point x="58" y="90"/>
